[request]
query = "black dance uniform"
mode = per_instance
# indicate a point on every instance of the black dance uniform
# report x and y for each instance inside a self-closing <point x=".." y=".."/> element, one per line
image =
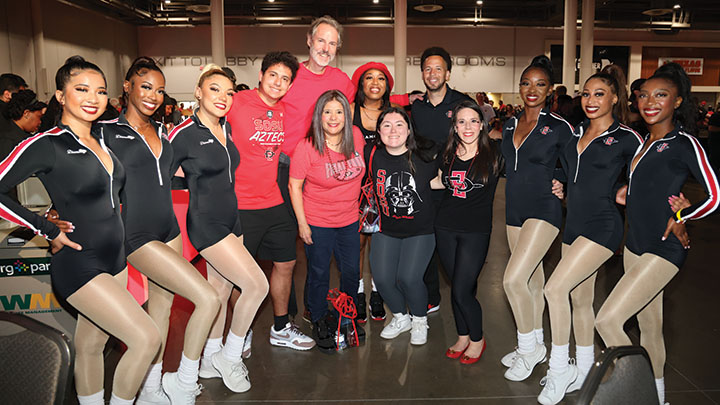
<point x="660" y="173"/>
<point x="530" y="169"/>
<point x="369" y="135"/>
<point x="209" y="169"/>
<point x="83" y="193"/>
<point x="147" y="210"/>
<point x="592" y="175"/>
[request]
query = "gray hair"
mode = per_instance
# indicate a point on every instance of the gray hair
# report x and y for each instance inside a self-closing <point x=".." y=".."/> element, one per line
<point x="326" y="19"/>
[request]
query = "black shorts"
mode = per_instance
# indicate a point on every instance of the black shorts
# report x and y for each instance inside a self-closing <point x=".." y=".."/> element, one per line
<point x="270" y="233"/>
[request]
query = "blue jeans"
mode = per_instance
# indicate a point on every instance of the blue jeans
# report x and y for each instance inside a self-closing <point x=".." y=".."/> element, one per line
<point x="344" y="244"/>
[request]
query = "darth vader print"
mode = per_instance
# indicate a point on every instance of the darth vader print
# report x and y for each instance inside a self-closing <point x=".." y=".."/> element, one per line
<point x="401" y="193"/>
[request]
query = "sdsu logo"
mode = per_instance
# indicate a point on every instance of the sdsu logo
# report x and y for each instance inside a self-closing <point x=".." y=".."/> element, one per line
<point x="610" y="140"/>
<point x="545" y="130"/>
<point x="269" y="154"/>
<point x="461" y="184"/>
<point x="449" y="114"/>
<point x="269" y="114"/>
<point x="663" y="146"/>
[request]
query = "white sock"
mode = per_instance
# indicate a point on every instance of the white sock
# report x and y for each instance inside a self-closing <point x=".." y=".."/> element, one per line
<point x="361" y="286"/>
<point x="660" y="385"/>
<point x="585" y="356"/>
<point x="153" y="378"/>
<point x="212" y="346"/>
<point x="97" y="398"/>
<point x="539" y="336"/>
<point x="373" y="285"/>
<point x="559" y="356"/>
<point x="188" y="372"/>
<point x="119" y="401"/>
<point x="232" y="351"/>
<point x="526" y="342"/>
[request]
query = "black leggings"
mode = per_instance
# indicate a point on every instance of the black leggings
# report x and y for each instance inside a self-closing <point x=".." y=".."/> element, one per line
<point x="463" y="255"/>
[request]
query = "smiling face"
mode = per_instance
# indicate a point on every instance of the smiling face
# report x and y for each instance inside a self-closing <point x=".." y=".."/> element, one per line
<point x="597" y="99"/>
<point x="435" y="72"/>
<point x="333" y="118"/>
<point x="145" y="93"/>
<point x="323" y="46"/>
<point x="275" y="83"/>
<point x="534" y="88"/>
<point x="374" y="84"/>
<point x="657" y="100"/>
<point x="84" y="97"/>
<point x="468" y="125"/>
<point x="394" y="132"/>
<point x="215" y="95"/>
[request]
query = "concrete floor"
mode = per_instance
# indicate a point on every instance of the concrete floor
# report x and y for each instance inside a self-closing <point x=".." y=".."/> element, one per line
<point x="385" y="371"/>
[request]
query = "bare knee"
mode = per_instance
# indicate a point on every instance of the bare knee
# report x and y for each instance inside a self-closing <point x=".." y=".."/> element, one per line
<point x="284" y="269"/>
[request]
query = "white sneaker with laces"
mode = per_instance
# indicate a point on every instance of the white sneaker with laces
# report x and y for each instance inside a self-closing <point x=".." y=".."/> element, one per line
<point x="155" y="397"/>
<point x="398" y="324"/>
<point x="508" y="359"/>
<point x="418" y="330"/>
<point x="524" y="364"/>
<point x="577" y="384"/>
<point x="234" y="375"/>
<point x="290" y="336"/>
<point x="247" y="346"/>
<point x="556" y="384"/>
<point x="178" y="394"/>
<point x="207" y="370"/>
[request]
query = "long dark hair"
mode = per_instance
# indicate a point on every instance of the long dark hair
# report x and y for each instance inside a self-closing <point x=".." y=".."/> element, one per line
<point x="674" y="73"/>
<point x="317" y="134"/>
<point x="140" y="67"/>
<point x="487" y="157"/>
<point x="544" y="64"/>
<point x="360" y="93"/>
<point x="411" y="143"/>
<point x="613" y="77"/>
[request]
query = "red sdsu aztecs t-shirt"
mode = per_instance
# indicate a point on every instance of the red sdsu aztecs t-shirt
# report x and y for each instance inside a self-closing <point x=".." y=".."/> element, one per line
<point x="332" y="182"/>
<point x="258" y="133"/>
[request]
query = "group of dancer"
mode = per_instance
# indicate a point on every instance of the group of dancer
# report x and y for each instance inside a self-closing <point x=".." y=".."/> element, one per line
<point x="289" y="161"/>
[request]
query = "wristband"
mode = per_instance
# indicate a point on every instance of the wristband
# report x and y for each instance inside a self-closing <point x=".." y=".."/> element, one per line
<point x="678" y="216"/>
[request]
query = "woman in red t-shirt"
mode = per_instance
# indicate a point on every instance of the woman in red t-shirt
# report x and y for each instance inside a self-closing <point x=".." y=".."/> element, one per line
<point x="325" y="177"/>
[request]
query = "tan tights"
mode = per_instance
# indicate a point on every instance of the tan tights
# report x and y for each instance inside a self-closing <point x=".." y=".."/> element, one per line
<point x="169" y="273"/>
<point x="229" y="263"/>
<point x="524" y="277"/>
<point x="639" y="291"/>
<point x="107" y="308"/>
<point x="575" y="276"/>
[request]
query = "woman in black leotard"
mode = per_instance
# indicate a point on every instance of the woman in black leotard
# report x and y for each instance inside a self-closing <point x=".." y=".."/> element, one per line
<point x="531" y="145"/>
<point x="374" y="84"/>
<point x="152" y="235"/>
<point x="83" y="179"/>
<point x="596" y="155"/>
<point x="204" y="149"/>
<point x="657" y="240"/>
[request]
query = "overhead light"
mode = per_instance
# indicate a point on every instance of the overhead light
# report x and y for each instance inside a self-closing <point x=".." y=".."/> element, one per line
<point x="376" y="1"/>
<point x="677" y="6"/>
<point x="271" y="1"/>
<point x="479" y="2"/>
<point x="428" y="8"/>
<point x="167" y="1"/>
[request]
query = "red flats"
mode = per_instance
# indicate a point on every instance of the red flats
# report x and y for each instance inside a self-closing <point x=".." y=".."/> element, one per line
<point x="471" y="360"/>
<point x="454" y="354"/>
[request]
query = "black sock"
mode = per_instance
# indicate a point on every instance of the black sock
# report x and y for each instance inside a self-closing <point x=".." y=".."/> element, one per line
<point x="281" y="321"/>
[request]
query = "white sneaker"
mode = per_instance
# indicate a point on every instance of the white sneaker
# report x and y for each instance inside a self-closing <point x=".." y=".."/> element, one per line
<point x="290" y="336"/>
<point x="247" y="346"/>
<point x="156" y="397"/>
<point x="234" y="375"/>
<point x="207" y="370"/>
<point x="577" y="384"/>
<point x="556" y="384"/>
<point x="418" y="331"/>
<point x="524" y="364"/>
<point x="398" y="324"/>
<point x="178" y="394"/>
<point x="509" y="358"/>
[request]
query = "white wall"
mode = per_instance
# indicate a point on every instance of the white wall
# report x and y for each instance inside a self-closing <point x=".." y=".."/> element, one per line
<point x="508" y="46"/>
<point x="68" y="31"/>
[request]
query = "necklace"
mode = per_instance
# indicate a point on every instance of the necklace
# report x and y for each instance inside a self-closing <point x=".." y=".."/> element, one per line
<point x="333" y="144"/>
<point x="368" y="115"/>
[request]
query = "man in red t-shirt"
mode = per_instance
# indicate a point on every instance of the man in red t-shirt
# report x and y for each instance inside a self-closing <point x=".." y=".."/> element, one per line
<point x="258" y="120"/>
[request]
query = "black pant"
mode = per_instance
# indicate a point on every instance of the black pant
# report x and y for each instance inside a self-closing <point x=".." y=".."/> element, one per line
<point x="463" y="256"/>
<point x="432" y="274"/>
